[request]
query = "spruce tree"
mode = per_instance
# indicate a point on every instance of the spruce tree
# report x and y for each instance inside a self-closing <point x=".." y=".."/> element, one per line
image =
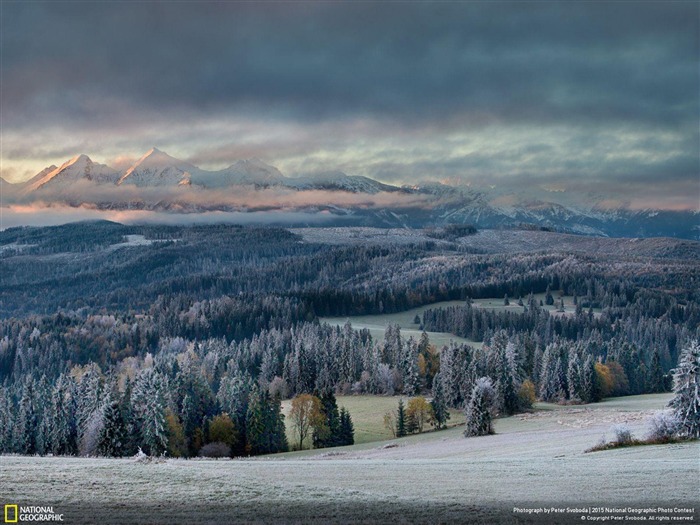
<point x="440" y="414"/>
<point x="506" y="385"/>
<point x="347" y="429"/>
<point x="409" y="367"/>
<point x="63" y="428"/>
<point x="149" y="410"/>
<point x="113" y="438"/>
<point x="401" y="422"/>
<point x="326" y="435"/>
<point x="686" y="389"/>
<point x="656" y="379"/>
<point x="574" y="377"/>
<point x="479" y="409"/>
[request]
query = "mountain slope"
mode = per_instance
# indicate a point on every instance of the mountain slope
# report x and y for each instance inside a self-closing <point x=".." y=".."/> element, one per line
<point x="243" y="172"/>
<point x="157" y="168"/>
<point x="80" y="168"/>
<point x="339" y="181"/>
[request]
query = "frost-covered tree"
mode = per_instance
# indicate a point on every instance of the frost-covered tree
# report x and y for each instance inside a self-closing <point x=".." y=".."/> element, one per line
<point x="87" y="397"/>
<point x="113" y="439"/>
<point x="479" y="411"/>
<point x="90" y="440"/>
<point x="26" y="421"/>
<point x="507" y="382"/>
<point x="686" y="389"/>
<point x="439" y="414"/>
<point x="385" y="380"/>
<point x="63" y="428"/>
<point x="574" y="376"/>
<point x="6" y="420"/>
<point x="149" y="403"/>
<point x="409" y="367"/>
<point x="550" y="374"/>
<point x="392" y="346"/>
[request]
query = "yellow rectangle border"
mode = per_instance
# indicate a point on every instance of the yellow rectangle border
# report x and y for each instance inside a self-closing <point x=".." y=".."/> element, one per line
<point x="8" y="507"/>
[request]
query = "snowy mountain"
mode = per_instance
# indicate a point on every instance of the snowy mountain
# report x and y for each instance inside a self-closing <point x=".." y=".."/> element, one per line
<point x="157" y="168"/>
<point x="434" y="204"/>
<point x="77" y="169"/>
<point x="7" y="188"/>
<point x="243" y="172"/>
<point x="339" y="181"/>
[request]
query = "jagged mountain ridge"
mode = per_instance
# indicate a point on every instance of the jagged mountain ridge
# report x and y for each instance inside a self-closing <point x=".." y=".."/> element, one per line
<point x="157" y="171"/>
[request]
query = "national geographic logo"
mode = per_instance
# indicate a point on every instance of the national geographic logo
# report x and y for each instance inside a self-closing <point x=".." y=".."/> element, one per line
<point x="11" y="513"/>
<point x="17" y="514"/>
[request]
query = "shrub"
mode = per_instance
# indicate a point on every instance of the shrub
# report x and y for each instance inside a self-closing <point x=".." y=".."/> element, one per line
<point x="623" y="434"/>
<point x="215" y="450"/>
<point x="663" y="426"/>
<point x="526" y="394"/>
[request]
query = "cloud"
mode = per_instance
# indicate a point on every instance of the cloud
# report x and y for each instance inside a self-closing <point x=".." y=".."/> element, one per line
<point x="604" y="92"/>
<point x="37" y="215"/>
<point x="85" y="194"/>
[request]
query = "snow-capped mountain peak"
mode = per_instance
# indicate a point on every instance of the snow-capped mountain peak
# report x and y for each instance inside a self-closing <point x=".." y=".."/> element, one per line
<point x="246" y="171"/>
<point x="79" y="168"/>
<point x="157" y="168"/>
<point x="337" y="180"/>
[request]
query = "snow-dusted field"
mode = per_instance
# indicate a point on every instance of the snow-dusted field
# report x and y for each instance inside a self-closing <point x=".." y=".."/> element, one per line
<point x="534" y="461"/>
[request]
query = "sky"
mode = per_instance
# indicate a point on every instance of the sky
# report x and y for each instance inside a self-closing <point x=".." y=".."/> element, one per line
<point x="597" y="97"/>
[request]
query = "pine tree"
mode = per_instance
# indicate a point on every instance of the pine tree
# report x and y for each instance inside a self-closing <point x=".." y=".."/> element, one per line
<point x="347" y="429"/>
<point x="507" y="378"/>
<point x="265" y="424"/>
<point x="479" y="409"/>
<point x="401" y="422"/>
<point x="409" y="367"/>
<point x="549" y="299"/>
<point x="44" y="417"/>
<point x="656" y="379"/>
<point x="326" y="434"/>
<point x="574" y="377"/>
<point x="551" y="388"/>
<point x="149" y="404"/>
<point x="5" y="421"/>
<point x="440" y="414"/>
<point x="87" y="398"/>
<point x="26" y="422"/>
<point x="686" y="389"/>
<point x="63" y="428"/>
<point x="113" y="437"/>
<point x="590" y="387"/>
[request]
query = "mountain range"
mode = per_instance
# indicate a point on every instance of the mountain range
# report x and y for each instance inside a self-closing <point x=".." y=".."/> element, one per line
<point x="160" y="182"/>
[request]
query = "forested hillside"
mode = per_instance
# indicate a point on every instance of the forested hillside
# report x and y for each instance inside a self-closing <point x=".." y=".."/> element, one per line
<point x="118" y="337"/>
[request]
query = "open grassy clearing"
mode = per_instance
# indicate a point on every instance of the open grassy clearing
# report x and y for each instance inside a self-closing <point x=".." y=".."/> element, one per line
<point x="367" y="416"/>
<point x="376" y="324"/>
<point x="534" y="460"/>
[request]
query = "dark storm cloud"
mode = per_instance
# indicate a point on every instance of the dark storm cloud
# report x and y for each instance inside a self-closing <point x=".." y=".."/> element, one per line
<point x="130" y="70"/>
<point x="540" y="62"/>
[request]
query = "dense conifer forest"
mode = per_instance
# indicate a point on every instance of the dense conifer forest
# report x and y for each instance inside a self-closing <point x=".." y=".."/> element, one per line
<point x="184" y="340"/>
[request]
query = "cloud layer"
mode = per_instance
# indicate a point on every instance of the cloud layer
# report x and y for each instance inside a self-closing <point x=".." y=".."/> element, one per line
<point x="580" y="94"/>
